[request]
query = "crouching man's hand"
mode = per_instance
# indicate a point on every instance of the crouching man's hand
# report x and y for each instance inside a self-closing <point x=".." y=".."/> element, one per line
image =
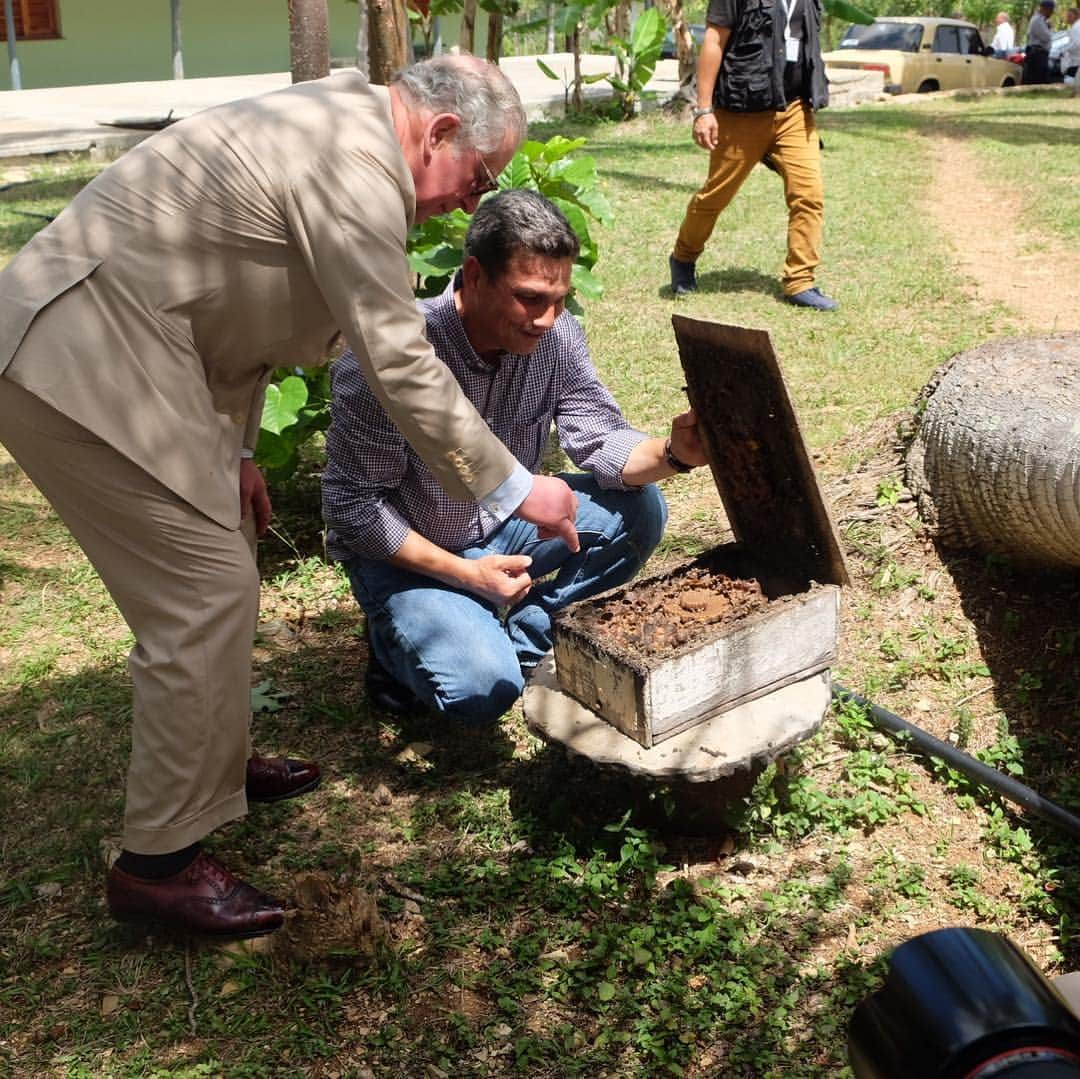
<point x="552" y="506"/>
<point x="501" y="579"/>
<point x="686" y="444"/>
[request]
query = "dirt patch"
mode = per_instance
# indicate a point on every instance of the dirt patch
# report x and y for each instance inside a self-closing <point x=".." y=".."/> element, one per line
<point x="973" y="214"/>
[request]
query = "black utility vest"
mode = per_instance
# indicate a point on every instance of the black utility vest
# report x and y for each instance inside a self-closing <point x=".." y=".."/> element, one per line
<point x="751" y="77"/>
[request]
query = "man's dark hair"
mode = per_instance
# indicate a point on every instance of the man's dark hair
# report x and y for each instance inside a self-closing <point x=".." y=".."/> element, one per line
<point x="518" y="220"/>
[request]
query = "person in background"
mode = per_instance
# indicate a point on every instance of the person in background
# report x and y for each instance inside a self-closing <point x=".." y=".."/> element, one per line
<point x="1037" y="50"/>
<point x="1004" y="39"/>
<point x="760" y="78"/>
<point x="138" y="333"/>
<point x="1070" y="55"/>
<point x="459" y="604"/>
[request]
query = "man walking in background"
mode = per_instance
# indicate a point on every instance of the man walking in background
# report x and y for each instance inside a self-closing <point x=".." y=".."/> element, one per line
<point x="1037" y="50"/>
<point x="1070" y="55"/>
<point x="759" y="79"/>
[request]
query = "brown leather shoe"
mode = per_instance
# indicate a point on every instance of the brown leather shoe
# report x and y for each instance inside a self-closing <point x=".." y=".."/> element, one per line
<point x="205" y="898"/>
<point x="270" y="779"/>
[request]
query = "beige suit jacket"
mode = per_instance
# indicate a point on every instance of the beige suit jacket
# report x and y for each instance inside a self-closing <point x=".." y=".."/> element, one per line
<point x="156" y="306"/>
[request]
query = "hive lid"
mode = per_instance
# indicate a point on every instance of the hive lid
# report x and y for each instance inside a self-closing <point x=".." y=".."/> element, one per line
<point x="759" y="460"/>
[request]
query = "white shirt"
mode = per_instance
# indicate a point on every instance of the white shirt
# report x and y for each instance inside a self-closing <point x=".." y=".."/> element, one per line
<point x="1070" y="55"/>
<point x="1004" y="39"/>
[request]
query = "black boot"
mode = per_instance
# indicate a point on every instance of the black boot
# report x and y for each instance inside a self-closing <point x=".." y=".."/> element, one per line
<point x="385" y="692"/>
<point x="683" y="277"/>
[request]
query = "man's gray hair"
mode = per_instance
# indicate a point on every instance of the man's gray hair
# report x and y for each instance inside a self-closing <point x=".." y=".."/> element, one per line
<point x="477" y="92"/>
<point x="518" y="220"/>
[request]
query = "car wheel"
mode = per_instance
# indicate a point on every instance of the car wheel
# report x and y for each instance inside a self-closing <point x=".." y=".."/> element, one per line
<point x="928" y="86"/>
<point x="1009" y="82"/>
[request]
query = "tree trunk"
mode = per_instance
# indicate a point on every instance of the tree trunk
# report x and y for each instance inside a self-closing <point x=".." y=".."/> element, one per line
<point x="386" y="44"/>
<point x="468" y="25"/>
<point x="684" y="42"/>
<point x="177" y="40"/>
<point x="494" y="36"/>
<point x="549" y="39"/>
<point x="577" y="98"/>
<point x="309" y="40"/>
<point x="995" y="463"/>
<point x="621" y="20"/>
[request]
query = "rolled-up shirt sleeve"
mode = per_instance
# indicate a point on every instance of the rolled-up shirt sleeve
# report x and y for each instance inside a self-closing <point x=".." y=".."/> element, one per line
<point x="592" y="429"/>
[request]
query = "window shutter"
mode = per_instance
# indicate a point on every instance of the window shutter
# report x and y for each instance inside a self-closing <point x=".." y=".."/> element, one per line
<point x="34" y="20"/>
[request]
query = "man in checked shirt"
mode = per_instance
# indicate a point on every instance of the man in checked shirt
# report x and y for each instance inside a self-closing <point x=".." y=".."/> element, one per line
<point x="459" y="606"/>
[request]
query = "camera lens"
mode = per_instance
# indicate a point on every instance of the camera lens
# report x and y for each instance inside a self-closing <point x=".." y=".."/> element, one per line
<point x="964" y="1004"/>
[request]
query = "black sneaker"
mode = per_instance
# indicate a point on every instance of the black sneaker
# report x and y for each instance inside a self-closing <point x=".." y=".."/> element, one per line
<point x="813" y="298"/>
<point x="683" y="276"/>
<point x="385" y="692"/>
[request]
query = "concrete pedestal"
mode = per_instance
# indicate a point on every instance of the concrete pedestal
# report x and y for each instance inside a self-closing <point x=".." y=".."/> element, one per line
<point x="738" y="741"/>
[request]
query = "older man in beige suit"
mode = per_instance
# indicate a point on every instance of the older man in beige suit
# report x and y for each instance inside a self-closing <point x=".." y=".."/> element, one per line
<point x="137" y="335"/>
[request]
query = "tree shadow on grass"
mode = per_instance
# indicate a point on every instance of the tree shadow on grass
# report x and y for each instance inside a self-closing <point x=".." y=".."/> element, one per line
<point x="998" y="126"/>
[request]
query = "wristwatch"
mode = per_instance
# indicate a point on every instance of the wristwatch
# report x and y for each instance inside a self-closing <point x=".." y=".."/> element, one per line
<point x="673" y="461"/>
<point x="697" y="112"/>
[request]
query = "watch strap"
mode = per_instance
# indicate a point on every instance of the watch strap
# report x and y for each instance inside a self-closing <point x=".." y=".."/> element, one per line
<point x="673" y="461"/>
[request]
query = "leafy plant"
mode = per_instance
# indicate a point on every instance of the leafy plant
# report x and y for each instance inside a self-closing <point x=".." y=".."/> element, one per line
<point x="297" y="408"/>
<point x="572" y="183"/>
<point x="636" y="61"/>
<point x="297" y="404"/>
<point x="570" y="84"/>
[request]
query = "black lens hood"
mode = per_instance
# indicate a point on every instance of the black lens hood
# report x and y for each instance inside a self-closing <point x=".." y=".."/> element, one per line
<point x="958" y="1002"/>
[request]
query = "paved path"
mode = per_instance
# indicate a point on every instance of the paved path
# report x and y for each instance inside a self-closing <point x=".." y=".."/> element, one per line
<point x="70" y="118"/>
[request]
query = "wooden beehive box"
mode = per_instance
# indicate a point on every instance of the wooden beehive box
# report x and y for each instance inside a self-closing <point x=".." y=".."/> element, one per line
<point x="657" y="687"/>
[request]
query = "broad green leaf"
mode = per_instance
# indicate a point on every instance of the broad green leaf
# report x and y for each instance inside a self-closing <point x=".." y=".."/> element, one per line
<point x="547" y="70"/>
<point x="264" y="698"/>
<point x="585" y="283"/>
<point x="581" y="170"/>
<point x="843" y="9"/>
<point x="272" y="452"/>
<point x="649" y="30"/>
<point x="558" y="147"/>
<point x="596" y="203"/>
<point x="518" y="173"/>
<point x="283" y="401"/>
<point x="531" y="150"/>
<point x="605" y="991"/>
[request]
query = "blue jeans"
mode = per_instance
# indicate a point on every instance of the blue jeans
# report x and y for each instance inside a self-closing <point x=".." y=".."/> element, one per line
<point x="462" y="656"/>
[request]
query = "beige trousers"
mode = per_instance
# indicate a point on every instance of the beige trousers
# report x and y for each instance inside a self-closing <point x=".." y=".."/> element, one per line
<point x="188" y="589"/>
<point x="791" y="140"/>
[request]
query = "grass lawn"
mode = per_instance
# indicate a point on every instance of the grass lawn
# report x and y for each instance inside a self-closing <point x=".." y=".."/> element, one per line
<point x="477" y="905"/>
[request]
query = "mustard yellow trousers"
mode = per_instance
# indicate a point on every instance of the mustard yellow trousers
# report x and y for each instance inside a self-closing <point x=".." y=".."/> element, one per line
<point x="188" y="589"/>
<point x="790" y="138"/>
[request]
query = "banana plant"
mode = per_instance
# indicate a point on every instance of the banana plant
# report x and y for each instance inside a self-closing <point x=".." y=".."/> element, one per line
<point x="635" y="60"/>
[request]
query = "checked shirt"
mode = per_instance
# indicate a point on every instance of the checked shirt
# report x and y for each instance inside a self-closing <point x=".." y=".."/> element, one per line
<point x="375" y="489"/>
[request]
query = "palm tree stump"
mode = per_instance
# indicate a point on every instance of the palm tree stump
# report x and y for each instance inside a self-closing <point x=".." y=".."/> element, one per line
<point x="995" y="462"/>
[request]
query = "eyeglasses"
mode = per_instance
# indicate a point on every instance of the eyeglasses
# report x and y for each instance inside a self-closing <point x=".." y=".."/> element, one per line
<point x="480" y="185"/>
